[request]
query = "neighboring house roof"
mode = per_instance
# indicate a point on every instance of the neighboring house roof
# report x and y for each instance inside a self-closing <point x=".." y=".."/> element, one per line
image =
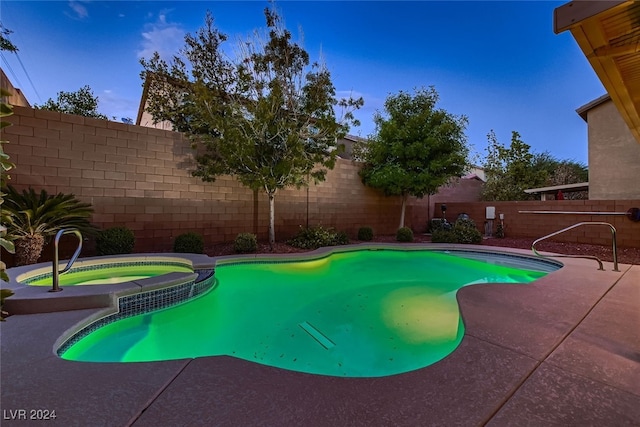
<point x="582" y="111"/>
<point x="609" y="36"/>
<point x="17" y="98"/>
<point x="143" y="102"/>
<point x="348" y="142"/>
<point x="473" y="176"/>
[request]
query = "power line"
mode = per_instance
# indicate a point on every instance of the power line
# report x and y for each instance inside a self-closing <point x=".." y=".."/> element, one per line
<point x="28" y="77"/>
<point x="8" y="67"/>
<point x="6" y="36"/>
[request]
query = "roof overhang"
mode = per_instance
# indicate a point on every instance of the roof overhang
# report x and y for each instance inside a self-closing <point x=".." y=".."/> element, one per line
<point x="608" y="32"/>
<point x="580" y="186"/>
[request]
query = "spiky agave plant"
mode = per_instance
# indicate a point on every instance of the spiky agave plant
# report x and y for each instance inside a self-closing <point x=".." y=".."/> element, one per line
<point x="32" y="219"/>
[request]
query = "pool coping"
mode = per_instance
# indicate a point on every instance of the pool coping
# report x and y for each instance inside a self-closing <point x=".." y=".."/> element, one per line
<point x="522" y="360"/>
<point x="29" y="299"/>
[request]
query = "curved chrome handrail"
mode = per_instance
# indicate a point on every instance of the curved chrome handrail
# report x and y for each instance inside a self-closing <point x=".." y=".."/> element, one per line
<point x="56" y="287"/>
<point x="613" y="236"/>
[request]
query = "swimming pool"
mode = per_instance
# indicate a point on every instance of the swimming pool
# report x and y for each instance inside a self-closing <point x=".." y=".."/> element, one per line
<point x="360" y="313"/>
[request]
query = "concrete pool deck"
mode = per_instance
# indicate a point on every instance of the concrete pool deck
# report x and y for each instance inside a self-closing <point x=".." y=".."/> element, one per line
<point x="563" y="350"/>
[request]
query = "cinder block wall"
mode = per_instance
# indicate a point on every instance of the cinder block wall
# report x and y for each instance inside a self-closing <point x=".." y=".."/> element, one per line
<point x="140" y="177"/>
<point x="537" y="225"/>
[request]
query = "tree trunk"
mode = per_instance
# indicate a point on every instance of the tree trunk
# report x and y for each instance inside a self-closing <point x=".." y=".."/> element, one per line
<point x="272" y="231"/>
<point x="28" y="249"/>
<point x="404" y="204"/>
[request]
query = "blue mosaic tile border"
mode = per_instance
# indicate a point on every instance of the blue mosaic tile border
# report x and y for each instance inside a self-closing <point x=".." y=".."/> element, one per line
<point x="108" y="265"/>
<point x="146" y="302"/>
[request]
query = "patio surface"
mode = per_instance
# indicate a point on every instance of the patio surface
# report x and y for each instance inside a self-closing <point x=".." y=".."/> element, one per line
<point x="564" y="350"/>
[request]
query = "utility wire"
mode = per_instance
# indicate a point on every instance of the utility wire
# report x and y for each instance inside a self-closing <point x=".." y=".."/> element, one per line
<point x="6" y="36"/>
<point x="8" y="67"/>
<point x="28" y="77"/>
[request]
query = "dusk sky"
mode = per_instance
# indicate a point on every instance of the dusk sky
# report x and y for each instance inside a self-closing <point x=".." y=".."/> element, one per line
<point x="498" y="63"/>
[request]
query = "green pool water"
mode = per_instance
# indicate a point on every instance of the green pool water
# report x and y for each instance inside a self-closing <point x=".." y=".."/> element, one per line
<point x="355" y="314"/>
<point x="119" y="274"/>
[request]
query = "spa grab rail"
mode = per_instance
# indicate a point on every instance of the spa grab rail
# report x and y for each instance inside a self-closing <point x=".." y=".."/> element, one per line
<point x="613" y="236"/>
<point x="56" y="273"/>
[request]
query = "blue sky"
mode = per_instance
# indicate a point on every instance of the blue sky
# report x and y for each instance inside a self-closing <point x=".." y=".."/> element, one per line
<point x="497" y="62"/>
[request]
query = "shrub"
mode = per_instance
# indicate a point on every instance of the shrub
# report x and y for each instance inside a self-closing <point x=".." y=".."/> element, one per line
<point x="32" y="218"/>
<point x="245" y="243"/>
<point x="442" y="235"/>
<point x="404" y="234"/>
<point x="115" y="241"/>
<point x="316" y="237"/>
<point x="4" y="293"/>
<point x="438" y="224"/>
<point x="500" y="231"/>
<point x="463" y="231"/>
<point x="342" y="238"/>
<point x="189" y="243"/>
<point x="365" y="233"/>
<point x="466" y="232"/>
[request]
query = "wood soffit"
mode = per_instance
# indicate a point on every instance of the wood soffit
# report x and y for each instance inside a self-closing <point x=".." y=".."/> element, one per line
<point x="608" y="32"/>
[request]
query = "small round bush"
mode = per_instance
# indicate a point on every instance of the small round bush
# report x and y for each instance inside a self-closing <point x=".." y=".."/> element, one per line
<point x="245" y="243"/>
<point x="189" y="243"/>
<point x="443" y="236"/>
<point x="404" y="234"/>
<point x="341" y="238"/>
<point x="466" y="232"/>
<point x="316" y="237"/>
<point x="115" y="241"/>
<point x="365" y="233"/>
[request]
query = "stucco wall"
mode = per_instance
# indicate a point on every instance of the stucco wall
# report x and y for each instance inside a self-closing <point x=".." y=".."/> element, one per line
<point x="614" y="155"/>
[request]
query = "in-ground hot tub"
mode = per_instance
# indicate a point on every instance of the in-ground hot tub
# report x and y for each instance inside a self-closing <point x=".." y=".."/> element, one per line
<point x="101" y="282"/>
<point x="107" y="271"/>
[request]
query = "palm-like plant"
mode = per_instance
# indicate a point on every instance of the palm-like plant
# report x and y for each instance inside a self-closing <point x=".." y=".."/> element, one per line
<point x="32" y="219"/>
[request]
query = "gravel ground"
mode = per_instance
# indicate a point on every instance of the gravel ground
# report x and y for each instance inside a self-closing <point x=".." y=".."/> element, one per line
<point x="625" y="255"/>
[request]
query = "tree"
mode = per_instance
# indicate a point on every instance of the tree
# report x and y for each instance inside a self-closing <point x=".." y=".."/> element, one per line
<point x="81" y="103"/>
<point x="562" y="172"/>
<point x="510" y="171"/>
<point x="417" y="147"/>
<point x="5" y="43"/>
<point x="266" y="117"/>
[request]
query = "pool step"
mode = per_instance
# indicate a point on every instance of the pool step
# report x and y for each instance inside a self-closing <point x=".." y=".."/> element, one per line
<point x="317" y="335"/>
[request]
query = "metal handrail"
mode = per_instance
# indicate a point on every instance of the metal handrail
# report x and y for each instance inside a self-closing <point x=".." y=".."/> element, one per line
<point x="56" y="287"/>
<point x="613" y="236"/>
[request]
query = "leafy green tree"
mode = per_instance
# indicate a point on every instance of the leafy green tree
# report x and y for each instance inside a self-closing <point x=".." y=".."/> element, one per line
<point x="561" y="172"/>
<point x="510" y="170"/>
<point x="267" y="117"/>
<point x="5" y="43"/>
<point x="81" y="103"/>
<point x="416" y="149"/>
